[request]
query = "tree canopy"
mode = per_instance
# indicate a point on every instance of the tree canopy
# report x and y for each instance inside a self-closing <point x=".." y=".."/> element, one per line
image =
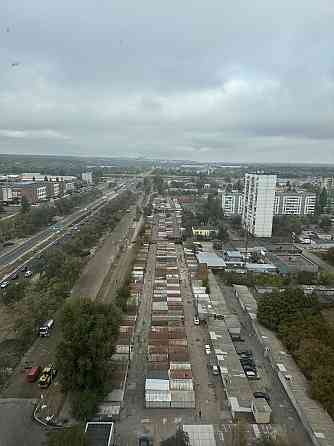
<point x="89" y="331"/>
<point x="71" y="436"/>
<point x="285" y="306"/>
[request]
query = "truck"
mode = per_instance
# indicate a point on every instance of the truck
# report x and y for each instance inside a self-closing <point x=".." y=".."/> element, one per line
<point x="44" y="330"/>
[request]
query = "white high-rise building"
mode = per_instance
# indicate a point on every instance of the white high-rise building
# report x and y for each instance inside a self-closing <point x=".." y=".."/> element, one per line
<point x="259" y="199"/>
<point x="87" y="177"/>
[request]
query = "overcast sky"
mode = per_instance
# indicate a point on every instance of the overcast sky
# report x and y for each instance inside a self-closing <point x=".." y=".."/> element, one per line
<point x="205" y="80"/>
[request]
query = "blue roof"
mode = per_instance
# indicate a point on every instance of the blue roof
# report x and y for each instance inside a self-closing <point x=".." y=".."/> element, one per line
<point x="211" y="259"/>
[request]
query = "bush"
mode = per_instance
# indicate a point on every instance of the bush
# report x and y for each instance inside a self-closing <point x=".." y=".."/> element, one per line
<point x="71" y="436"/>
<point x="84" y="404"/>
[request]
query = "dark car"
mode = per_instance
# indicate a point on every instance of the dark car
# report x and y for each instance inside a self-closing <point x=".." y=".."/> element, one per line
<point x="262" y="395"/>
<point x="14" y="276"/>
<point x="245" y="353"/>
<point x="8" y="243"/>
<point x="247" y="362"/>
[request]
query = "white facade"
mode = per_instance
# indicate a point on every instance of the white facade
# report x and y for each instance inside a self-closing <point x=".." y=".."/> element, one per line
<point x="87" y="177"/>
<point x="295" y="204"/>
<point x="41" y="193"/>
<point x="232" y="203"/>
<point x="285" y="203"/>
<point x="6" y="194"/>
<point x="56" y="189"/>
<point x="69" y="186"/>
<point x="258" y="209"/>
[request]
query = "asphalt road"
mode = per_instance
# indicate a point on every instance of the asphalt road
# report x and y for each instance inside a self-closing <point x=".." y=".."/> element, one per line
<point x="284" y="416"/>
<point x="46" y="236"/>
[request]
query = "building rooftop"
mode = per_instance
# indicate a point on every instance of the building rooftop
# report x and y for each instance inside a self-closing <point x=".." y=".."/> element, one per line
<point x="211" y="259"/>
<point x="99" y="433"/>
<point x="320" y="424"/>
<point x="200" y="435"/>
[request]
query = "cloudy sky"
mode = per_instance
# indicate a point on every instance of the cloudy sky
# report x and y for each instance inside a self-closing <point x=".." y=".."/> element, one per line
<point x="205" y="80"/>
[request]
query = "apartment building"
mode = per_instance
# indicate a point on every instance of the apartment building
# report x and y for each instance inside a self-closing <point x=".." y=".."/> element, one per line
<point x="35" y="192"/>
<point x="286" y="203"/>
<point x="232" y="203"/>
<point x="258" y="208"/>
<point x="6" y="194"/>
<point x="53" y="189"/>
<point x="87" y="177"/>
<point x="289" y="203"/>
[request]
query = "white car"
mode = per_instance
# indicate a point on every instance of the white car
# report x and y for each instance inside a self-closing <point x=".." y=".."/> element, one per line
<point x="207" y="349"/>
<point x="196" y="321"/>
<point x="28" y="274"/>
<point x="4" y="284"/>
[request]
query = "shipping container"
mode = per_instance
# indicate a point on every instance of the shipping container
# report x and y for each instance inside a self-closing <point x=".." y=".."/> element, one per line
<point x="158" y="399"/>
<point x="181" y="384"/>
<point x="183" y="399"/>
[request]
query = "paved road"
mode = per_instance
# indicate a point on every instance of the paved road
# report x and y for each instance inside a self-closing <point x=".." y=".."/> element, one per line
<point x="46" y="236"/>
<point x="210" y="399"/>
<point x="133" y="412"/>
<point x="283" y="413"/>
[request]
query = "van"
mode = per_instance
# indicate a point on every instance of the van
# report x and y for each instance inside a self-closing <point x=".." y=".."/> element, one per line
<point x="45" y="329"/>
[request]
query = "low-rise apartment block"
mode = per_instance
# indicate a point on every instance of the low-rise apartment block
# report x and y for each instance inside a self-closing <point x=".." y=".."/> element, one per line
<point x="35" y="192"/>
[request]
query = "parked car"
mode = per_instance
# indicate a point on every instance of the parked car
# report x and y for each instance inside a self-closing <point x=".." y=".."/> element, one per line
<point x="250" y="372"/>
<point x="245" y="353"/>
<point x="28" y="274"/>
<point x="207" y="349"/>
<point x="14" y="276"/>
<point x="262" y="395"/>
<point x="196" y="321"/>
<point x="4" y="284"/>
<point x="8" y="243"/>
<point x="47" y="376"/>
<point x="33" y="374"/>
<point x="215" y="370"/>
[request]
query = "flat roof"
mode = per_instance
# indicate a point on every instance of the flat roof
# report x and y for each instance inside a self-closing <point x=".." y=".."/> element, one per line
<point x="211" y="259"/>
<point x="99" y="433"/>
<point x="319" y="421"/>
<point x="200" y="434"/>
<point x="233" y="253"/>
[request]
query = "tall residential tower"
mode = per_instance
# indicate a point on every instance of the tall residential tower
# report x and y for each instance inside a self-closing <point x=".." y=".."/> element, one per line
<point x="258" y="207"/>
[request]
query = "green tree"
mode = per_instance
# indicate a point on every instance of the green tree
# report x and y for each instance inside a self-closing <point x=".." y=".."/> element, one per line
<point x="84" y="403"/>
<point x="322" y="387"/>
<point x="236" y="221"/>
<point x="83" y="356"/>
<point x="285" y="306"/>
<point x="25" y="205"/>
<point x="14" y="292"/>
<point x="222" y="233"/>
<point x="71" y="436"/>
<point x="329" y="256"/>
<point x="325" y="222"/>
<point x="180" y="438"/>
<point x="322" y="201"/>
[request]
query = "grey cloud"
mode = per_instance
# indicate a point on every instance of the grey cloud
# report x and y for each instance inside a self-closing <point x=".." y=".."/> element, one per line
<point x="202" y="80"/>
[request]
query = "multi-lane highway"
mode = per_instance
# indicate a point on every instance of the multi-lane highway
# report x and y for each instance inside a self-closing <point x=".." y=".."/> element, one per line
<point x="52" y="234"/>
